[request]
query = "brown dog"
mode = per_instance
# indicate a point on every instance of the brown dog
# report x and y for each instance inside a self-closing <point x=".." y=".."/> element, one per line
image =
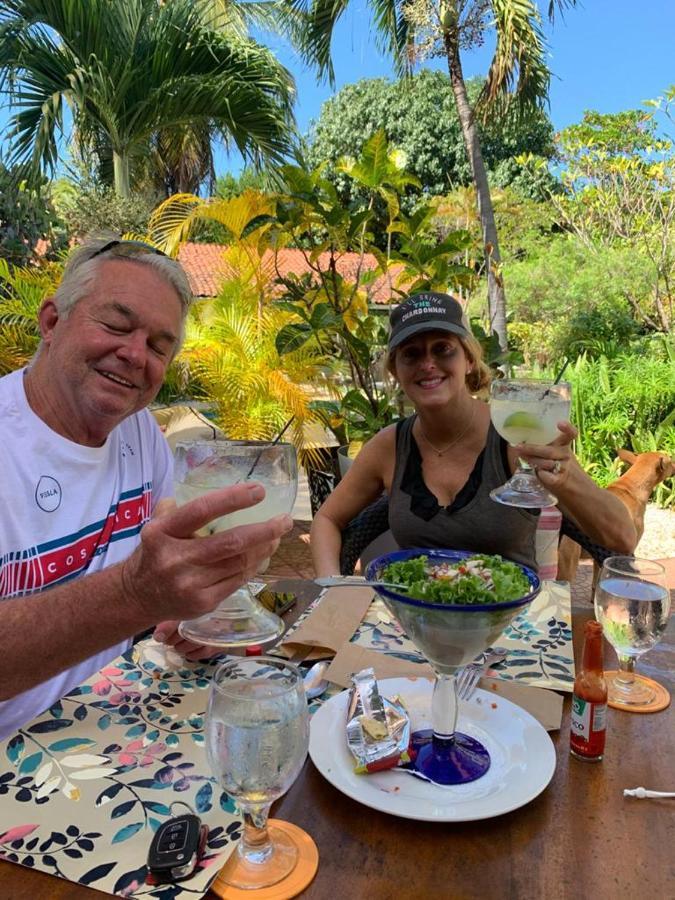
<point x="634" y="489"/>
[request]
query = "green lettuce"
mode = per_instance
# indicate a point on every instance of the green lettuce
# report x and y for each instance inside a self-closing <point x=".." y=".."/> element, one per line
<point x="510" y="582"/>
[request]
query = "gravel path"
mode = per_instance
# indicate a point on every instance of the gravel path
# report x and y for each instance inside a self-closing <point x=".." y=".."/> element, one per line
<point x="658" y="540"/>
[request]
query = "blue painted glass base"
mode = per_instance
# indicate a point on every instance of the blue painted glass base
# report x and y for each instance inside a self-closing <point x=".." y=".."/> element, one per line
<point x="453" y="760"/>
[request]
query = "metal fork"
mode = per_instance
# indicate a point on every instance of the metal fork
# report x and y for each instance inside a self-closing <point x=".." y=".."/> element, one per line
<point x="467" y="678"/>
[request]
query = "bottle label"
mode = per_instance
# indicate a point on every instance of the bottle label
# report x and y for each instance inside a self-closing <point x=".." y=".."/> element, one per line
<point x="587" y="736"/>
<point x="581" y="717"/>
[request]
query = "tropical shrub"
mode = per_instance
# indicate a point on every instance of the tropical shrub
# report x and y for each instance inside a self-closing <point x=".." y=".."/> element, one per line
<point x="230" y="360"/>
<point x="89" y="206"/>
<point x="26" y="217"/>
<point x="585" y="309"/>
<point x="331" y="310"/>
<point x="625" y="402"/>
<point x="21" y="293"/>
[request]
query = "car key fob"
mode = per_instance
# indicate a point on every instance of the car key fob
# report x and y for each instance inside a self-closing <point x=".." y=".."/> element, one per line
<point x="176" y="847"/>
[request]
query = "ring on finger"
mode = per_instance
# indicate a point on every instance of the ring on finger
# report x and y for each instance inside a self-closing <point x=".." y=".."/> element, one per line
<point x="557" y="467"/>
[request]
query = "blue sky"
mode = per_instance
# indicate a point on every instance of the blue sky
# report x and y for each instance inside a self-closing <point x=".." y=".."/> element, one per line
<point x="607" y="55"/>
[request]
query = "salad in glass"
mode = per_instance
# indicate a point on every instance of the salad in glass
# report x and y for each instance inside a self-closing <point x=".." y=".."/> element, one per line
<point x="477" y="579"/>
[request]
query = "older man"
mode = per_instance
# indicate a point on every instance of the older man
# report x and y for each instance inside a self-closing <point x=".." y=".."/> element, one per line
<point x="92" y="551"/>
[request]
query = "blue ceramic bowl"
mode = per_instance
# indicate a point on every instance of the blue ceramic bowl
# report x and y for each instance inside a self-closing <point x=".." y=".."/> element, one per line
<point x="448" y="635"/>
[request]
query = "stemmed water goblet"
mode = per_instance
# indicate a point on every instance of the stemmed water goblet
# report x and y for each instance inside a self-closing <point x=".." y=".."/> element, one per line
<point x="449" y="636"/>
<point x="204" y="465"/>
<point x="527" y="412"/>
<point x="257" y="735"/>
<point x="632" y="603"/>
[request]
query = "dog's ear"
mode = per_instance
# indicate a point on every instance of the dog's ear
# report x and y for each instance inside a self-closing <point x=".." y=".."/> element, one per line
<point x="626" y="456"/>
<point x="666" y="466"/>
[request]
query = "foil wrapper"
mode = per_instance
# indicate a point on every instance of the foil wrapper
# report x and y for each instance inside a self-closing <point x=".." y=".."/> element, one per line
<point x="378" y="729"/>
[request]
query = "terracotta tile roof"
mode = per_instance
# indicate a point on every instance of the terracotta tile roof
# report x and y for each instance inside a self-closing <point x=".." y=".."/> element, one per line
<point x="203" y="264"/>
<point x="205" y="269"/>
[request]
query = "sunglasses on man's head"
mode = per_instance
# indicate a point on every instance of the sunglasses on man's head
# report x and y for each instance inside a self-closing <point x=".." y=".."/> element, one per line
<point x="134" y="247"/>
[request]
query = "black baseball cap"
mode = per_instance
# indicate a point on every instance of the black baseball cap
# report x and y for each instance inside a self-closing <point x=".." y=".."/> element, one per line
<point x="429" y="311"/>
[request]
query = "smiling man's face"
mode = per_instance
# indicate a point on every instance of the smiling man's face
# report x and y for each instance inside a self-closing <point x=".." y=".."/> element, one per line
<point x="107" y="358"/>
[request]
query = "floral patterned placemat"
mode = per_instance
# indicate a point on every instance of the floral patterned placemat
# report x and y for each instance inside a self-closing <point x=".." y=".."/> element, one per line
<point x="538" y="641"/>
<point x="84" y="787"/>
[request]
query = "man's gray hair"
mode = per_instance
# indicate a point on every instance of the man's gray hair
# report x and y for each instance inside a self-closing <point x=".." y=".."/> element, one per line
<point x="79" y="274"/>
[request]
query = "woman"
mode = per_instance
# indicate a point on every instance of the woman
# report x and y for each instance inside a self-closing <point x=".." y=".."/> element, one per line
<point x="439" y="465"/>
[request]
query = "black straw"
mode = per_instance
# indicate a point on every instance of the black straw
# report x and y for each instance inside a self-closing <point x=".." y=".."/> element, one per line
<point x="264" y="447"/>
<point x="560" y="374"/>
<point x="562" y="371"/>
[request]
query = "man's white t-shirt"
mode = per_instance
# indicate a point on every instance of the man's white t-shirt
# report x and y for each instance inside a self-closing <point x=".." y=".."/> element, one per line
<point x="68" y="511"/>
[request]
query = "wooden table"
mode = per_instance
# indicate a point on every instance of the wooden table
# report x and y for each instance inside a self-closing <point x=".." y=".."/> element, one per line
<point x="579" y="839"/>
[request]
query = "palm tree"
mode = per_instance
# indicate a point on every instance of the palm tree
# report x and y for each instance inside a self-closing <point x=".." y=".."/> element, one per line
<point x="230" y="355"/>
<point x="416" y="29"/>
<point x="232" y="361"/>
<point x="129" y="70"/>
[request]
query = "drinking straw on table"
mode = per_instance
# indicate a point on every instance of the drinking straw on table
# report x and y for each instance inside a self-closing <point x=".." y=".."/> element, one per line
<point x="643" y="794"/>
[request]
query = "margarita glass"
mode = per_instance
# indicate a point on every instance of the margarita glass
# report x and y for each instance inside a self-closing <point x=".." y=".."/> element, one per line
<point x="202" y="466"/>
<point x="449" y="636"/>
<point x="527" y="412"/>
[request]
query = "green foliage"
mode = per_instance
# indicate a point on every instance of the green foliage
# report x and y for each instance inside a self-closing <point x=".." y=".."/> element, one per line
<point x="230" y="360"/>
<point x="22" y="290"/>
<point x="526" y="182"/>
<point x="26" y="217"/>
<point x="330" y="301"/>
<point x="575" y="304"/>
<point x="89" y="207"/>
<point x="619" y="177"/>
<point x="133" y="71"/>
<point x="229" y="185"/>
<point x="493" y="355"/>
<point x="410" y="111"/>
<point x="625" y="402"/>
<point x="352" y="419"/>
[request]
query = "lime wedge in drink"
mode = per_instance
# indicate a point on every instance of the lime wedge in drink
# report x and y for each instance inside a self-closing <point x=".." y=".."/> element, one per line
<point x="522" y="419"/>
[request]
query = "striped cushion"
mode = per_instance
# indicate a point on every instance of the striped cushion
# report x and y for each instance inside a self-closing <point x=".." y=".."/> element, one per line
<point x="546" y="542"/>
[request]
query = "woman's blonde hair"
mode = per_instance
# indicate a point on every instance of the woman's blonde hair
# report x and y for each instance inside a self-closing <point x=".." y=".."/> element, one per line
<point x="477" y="380"/>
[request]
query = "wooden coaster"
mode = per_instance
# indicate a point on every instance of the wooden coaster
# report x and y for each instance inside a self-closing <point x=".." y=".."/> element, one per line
<point x="661" y="696"/>
<point x="292" y="885"/>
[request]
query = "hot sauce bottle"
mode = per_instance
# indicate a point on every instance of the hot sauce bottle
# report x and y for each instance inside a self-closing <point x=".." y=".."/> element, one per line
<point x="589" y="701"/>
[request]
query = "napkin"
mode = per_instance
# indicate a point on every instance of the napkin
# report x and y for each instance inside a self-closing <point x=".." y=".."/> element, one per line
<point x="352" y="658"/>
<point x="330" y="624"/>
<point x="544" y="705"/>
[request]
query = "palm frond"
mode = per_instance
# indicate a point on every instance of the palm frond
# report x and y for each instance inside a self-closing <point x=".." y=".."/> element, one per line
<point x="132" y="69"/>
<point x="315" y="24"/>
<point x="174" y="219"/>
<point x="518" y="66"/>
<point x="555" y="6"/>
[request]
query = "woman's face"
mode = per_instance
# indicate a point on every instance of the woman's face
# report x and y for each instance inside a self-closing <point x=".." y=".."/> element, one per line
<point x="431" y="368"/>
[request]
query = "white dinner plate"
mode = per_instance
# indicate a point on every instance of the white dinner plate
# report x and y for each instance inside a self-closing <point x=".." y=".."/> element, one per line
<point x="522" y="758"/>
